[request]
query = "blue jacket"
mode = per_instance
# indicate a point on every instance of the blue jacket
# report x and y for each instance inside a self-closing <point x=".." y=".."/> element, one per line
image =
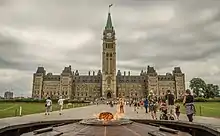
<point x="146" y="103"/>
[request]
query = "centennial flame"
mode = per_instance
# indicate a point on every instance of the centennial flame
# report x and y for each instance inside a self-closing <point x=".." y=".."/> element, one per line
<point x="106" y="116"/>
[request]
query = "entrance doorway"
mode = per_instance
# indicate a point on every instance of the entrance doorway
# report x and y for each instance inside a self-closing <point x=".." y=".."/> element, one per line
<point x="109" y="95"/>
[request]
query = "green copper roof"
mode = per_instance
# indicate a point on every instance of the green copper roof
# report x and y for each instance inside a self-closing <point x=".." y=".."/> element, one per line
<point x="109" y="22"/>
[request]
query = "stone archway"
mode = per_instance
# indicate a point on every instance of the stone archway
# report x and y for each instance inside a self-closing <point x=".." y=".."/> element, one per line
<point x="109" y="95"/>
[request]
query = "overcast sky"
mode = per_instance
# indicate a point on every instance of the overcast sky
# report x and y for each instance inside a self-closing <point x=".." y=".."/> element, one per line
<point x="58" y="33"/>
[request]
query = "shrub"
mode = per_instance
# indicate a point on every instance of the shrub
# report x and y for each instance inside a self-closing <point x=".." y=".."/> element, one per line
<point x="22" y="100"/>
<point x="38" y="100"/>
<point x="213" y="100"/>
<point x="200" y="99"/>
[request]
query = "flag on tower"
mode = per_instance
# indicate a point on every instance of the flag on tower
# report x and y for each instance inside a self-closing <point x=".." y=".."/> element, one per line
<point x="110" y="5"/>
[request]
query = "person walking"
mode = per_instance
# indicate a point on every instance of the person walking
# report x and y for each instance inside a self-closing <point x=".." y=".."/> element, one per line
<point x="152" y="105"/>
<point x="188" y="102"/>
<point x="121" y="104"/>
<point x="146" y="105"/>
<point x="170" y="102"/>
<point x="48" y="106"/>
<point x="60" y="103"/>
<point x="135" y="106"/>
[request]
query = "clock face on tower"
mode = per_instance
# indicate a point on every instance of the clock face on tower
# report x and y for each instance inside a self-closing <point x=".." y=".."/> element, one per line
<point x="109" y="35"/>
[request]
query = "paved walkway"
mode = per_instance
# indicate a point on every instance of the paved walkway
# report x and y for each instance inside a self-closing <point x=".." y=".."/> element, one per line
<point x="91" y="111"/>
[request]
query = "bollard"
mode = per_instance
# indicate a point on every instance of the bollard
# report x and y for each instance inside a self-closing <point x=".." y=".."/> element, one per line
<point x="200" y="110"/>
<point x="20" y="111"/>
<point x="15" y="112"/>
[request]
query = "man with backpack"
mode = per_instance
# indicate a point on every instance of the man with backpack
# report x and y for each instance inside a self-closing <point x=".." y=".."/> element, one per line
<point x="170" y="98"/>
<point x="48" y="106"/>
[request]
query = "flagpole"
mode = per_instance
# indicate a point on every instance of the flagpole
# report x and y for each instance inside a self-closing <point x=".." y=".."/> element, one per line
<point x="109" y="6"/>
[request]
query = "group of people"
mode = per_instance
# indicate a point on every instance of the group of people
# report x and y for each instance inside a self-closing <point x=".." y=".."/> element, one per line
<point x="48" y="105"/>
<point x="169" y="110"/>
<point x="166" y="105"/>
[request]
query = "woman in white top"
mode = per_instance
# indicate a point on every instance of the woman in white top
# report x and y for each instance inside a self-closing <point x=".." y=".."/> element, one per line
<point x="60" y="103"/>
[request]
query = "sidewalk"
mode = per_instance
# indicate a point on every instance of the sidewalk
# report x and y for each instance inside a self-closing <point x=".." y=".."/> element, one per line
<point x="90" y="112"/>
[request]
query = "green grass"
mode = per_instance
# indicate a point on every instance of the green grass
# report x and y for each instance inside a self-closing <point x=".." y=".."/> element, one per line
<point x="208" y="109"/>
<point x="8" y="109"/>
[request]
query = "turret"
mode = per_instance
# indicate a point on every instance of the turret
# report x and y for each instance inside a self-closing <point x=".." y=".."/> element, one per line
<point x="119" y="73"/>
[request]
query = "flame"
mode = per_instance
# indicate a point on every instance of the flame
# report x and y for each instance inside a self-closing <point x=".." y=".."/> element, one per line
<point x="107" y="116"/>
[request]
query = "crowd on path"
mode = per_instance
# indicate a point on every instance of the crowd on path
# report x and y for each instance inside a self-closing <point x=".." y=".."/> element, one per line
<point x="166" y="106"/>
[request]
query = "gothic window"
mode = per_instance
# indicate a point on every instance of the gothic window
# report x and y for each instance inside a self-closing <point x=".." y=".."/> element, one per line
<point x="106" y="54"/>
<point x="108" y="81"/>
<point x="110" y="54"/>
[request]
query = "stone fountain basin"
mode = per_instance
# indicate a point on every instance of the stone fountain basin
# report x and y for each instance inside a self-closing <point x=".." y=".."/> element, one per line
<point x="98" y="122"/>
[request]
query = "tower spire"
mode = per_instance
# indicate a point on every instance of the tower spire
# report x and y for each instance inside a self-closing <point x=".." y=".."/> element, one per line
<point x="109" y="20"/>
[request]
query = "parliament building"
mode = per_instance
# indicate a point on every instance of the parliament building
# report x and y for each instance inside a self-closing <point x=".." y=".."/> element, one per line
<point x="108" y="82"/>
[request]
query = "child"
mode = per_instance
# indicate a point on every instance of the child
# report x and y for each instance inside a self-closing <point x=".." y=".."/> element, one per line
<point x="146" y="105"/>
<point x="177" y="111"/>
<point x="163" y="109"/>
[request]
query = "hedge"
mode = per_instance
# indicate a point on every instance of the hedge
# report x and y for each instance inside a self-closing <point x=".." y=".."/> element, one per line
<point x="39" y="100"/>
<point x="201" y="99"/>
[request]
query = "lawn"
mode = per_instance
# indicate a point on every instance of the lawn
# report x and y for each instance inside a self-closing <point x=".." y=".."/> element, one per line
<point x="10" y="109"/>
<point x="208" y="109"/>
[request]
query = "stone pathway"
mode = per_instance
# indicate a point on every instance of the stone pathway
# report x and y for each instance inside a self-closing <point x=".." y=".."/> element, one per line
<point x="91" y="111"/>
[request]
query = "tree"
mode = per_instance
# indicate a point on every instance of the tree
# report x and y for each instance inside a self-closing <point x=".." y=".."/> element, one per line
<point x="216" y="90"/>
<point x="198" y="86"/>
<point x="211" y="91"/>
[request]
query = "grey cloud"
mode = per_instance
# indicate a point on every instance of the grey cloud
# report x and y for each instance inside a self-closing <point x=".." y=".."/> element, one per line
<point x="187" y="35"/>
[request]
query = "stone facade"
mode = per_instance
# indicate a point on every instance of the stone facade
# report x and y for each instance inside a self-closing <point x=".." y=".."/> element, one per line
<point x="106" y="83"/>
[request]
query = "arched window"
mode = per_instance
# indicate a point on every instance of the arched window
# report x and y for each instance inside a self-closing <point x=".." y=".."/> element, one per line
<point x="108" y="81"/>
<point x="106" y="54"/>
<point x="110" y="54"/>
